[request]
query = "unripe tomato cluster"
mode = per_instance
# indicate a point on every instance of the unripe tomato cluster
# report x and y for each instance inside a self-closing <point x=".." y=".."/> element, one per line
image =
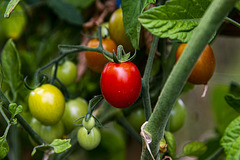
<point x="89" y="135"/>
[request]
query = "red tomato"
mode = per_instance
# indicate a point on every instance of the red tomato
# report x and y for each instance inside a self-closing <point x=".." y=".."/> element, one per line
<point x="96" y="61"/>
<point x="204" y="68"/>
<point x="121" y="84"/>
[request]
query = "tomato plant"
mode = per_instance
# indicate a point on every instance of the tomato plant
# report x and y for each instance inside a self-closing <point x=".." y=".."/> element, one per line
<point x="117" y="31"/>
<point x="47" y="132"/>
<point x="89" y="139"/>
<point x="52" y="32"/>
<point x="74" y="109"/>
<point x="177" y="116"/>
<point x="121" y="84"/>
<point x="204" y="68"/>
<point x="67" y="72"/>
<point x="96" y="61"/>
<point x="47" y="104"/>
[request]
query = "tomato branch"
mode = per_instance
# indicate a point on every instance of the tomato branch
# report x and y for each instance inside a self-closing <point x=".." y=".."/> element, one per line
<point x="145" y="79"/>
<point x="209" y="24"/>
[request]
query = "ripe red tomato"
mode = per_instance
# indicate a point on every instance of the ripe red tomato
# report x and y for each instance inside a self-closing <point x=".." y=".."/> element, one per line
<point x="204" y="68"/>
<point x="121" y="84"/>
<point x="96" y="61"/>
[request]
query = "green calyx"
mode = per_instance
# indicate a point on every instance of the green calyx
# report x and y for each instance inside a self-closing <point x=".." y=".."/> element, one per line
<point x="121" y="56"/>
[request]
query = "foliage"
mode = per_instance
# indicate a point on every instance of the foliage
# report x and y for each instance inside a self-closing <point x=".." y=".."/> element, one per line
<point x="37" y="37"/>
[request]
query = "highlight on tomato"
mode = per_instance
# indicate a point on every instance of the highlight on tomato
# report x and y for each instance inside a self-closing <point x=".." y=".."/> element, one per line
<point x="96" y="61"/>
<point x="47" y="104"/>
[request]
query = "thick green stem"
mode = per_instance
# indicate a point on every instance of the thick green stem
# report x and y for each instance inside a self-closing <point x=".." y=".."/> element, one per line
<point x="145" y="79"/>
<point x="209" y="24"/>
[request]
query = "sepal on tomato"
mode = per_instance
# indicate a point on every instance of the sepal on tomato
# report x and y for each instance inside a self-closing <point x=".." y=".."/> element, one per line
<point x="121" y="56"/>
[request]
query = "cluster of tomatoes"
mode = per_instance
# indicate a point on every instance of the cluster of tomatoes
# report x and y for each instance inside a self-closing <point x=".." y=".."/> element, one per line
<point x="120" y="85"/>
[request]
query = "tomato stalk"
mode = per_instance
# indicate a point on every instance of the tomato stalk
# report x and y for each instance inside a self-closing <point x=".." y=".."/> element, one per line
<point x="145" y="79"/>
<point x="210" y="22"/>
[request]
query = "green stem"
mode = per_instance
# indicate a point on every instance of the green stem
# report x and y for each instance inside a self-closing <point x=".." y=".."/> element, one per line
<point x="208" y="25"/>
<point x="232" y="21"/>
<point x="216" y="154"/>
<point x="124" y="123"/>
<point x="146" y="77"/>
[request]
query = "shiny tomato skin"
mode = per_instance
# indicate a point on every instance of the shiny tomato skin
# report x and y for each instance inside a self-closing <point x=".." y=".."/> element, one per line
<point x="47" y="104"/>
<point x="121" y="84"/>
<point x="204" y="67"/>
<point x="96" y="61"/>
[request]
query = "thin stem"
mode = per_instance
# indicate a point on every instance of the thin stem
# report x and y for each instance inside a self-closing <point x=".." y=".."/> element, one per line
<point x="146" y="77"/>
<point x="125" y="124"/>
<point x="4" y="115"/>
<point x="216" y="154"/>
<point x="208" y="25"/>
<point x="233" y="22"/>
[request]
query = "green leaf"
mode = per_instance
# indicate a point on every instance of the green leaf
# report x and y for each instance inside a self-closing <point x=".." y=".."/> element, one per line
<point x="238" y="5"/>
<point x="195" y="149"/>
<point x="11" y="66"/>
<point x="234" y="152"/>
<point x="171" y="143"/>
<point x="66" y="11"/>
<point x="176" y="19"/>
<point x="233" y="101"/>
<point x="4" y="148"/>
<point x="131" y="11"/>
<point x="231" y="134"/>
<point x="14" y="109"/>
<point x="60" y="145"/>
<point x="235" y="89"/>
<point x="223" y="113"/>
<point x="10" y="7"/>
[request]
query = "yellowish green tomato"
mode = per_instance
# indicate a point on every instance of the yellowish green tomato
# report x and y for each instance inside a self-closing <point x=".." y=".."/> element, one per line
<point x="47" y="132"/>
<point x="74" y="109"/>
<point x="14" y="26"/>
<point x="67" y="72"/>
<point x="117" y="31"/>
<point x="47" y="104"/>
<point x="89" y="140"/>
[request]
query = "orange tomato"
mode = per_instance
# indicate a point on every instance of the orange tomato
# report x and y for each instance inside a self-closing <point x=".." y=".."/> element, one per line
<point x="96" y="61"/>
<point x="204" y="67"/>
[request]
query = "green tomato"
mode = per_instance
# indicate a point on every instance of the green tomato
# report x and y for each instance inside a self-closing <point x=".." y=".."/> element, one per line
<point x="67" y="72"/>
<point x="74" y="109"/>
<point x="13" y="26"/>
<point x="47" y="133"/>
<point x="89" y="140"/>
<point x="136" y="119"/>
<point x="89" y="124"/>
<point x="47" y="104"/>
<point x="177" y="116"/>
